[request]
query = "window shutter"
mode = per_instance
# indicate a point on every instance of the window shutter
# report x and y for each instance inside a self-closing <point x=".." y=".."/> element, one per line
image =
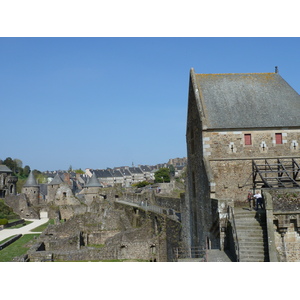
<point x="278" y="137"/>
<point x="248" y="139"/>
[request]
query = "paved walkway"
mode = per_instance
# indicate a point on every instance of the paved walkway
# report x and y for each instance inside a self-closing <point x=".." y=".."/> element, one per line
<point x="6" y="233"/>
<point x="216" y="255"/>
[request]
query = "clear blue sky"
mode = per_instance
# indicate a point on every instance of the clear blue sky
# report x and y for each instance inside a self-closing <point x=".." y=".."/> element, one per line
<point x="107" y="102"/>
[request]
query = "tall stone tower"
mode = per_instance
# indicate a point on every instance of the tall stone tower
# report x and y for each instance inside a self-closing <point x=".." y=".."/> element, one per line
<point x="91" y="190"/>
<point x="53" y="186"/>
<point x="31" y="189"/>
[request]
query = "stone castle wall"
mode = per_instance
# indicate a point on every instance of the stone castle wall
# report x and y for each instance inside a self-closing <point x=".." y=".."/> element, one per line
<point x="231" y="144"/>
<point x="282" y="207"/>
<point x="230" y="160"/>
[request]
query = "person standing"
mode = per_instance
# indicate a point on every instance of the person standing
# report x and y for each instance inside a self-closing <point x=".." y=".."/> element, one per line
<point x="250" y="199"/>
<point x="259" y="199"/>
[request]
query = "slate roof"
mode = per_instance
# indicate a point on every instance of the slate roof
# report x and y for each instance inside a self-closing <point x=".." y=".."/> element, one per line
<point x="31" y="180"/>
<point x="103" y="173"/>
<point x="56" y="180"/>
<point x="116" y="173"/>
<point x="135" y="170"/>
<point x="125" y="172"/>
<point x="247" y="100"/>
<point x="5" y="169"/>
<point x="93" y="182"/>
<point x="145" y="168"/>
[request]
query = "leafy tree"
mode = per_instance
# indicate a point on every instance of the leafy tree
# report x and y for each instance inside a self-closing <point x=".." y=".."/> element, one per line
<point x="79" y="171"/>
<point x="172" y="170"/>
<point x="141" y="184"/>
<point x="26" y="171"/>
<point x="18" y="163"/>
<point x="162" y="175"/>
<point x="9" y="163"/>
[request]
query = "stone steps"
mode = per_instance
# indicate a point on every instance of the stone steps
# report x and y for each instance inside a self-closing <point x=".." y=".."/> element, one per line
<point x="251" y="236"/>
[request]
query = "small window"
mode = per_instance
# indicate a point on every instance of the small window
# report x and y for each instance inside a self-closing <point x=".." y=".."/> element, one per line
<point x="278" y="138"/>
<point x="248" y="140"/>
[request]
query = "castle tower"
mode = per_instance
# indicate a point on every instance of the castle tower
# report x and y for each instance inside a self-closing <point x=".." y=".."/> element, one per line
<point x="93" y="182"/>
<point x="31" y="189"/>
<point x="7" y="182"/>
<point x="53" y="186"/>
<point x="91" y="189"/>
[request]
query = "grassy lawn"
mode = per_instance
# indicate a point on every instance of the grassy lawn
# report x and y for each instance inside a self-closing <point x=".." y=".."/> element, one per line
<point x="1" y="242"/>
<point x="17" y="248"/>
<point x="42" y="227"/>
<point x="20" y="225"/>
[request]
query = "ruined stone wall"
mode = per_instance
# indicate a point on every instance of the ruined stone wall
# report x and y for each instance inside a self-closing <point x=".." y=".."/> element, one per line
<point x="91" y="194"/>
<point x="111" y="231"/>
<point x="64" y="196"/>
<point x="51" y="192"/>
<point x="99" y="238"/>
<point x="68" y="211"/>
<point x="169" y="202"/>
<point x="288" y="244"/>
<point x="21" y="206"/>
<point x="285" y="206"/>
<point x="33" y="194"/>
<point x="8" y="184"/>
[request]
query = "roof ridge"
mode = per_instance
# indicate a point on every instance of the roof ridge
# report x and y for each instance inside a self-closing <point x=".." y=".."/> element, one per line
<point x="263" y="73"/>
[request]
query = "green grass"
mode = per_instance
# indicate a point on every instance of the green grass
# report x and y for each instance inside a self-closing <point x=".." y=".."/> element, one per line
<point x="19" y="225"/>
<point x="42" y="227"/>
<point x="17" y="248"/>
<point x="1" y="242"/>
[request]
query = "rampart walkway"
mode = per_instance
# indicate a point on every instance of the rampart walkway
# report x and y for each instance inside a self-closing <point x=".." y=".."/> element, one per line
<point x="170" y="213"/>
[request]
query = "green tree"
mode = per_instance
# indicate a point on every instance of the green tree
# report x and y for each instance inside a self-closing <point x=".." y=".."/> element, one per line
<point x="9" y="163"/>
<point x="172" y="170"/>
<point x="26" y="171"/>
<point x="18" y="163"/>
<point x="162" y="175"/>
<point x="141" y="184"/>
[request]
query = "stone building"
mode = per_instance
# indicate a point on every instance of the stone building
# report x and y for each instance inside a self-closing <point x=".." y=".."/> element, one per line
<point x="32" y="190"/>
<point x="236" y="123"/>
<point x="91" y="190"/>
<point x="7" y="182"/>
<point x="24" y="204"/>
<point x="60" y="193"/>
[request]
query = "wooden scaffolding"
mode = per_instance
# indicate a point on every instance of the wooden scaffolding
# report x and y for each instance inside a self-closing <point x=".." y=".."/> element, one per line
<point x="275" y="173"/>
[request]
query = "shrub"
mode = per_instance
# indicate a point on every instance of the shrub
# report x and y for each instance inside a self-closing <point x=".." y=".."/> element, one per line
<point x="141" y="184"/>
<point x="3" y="221"/>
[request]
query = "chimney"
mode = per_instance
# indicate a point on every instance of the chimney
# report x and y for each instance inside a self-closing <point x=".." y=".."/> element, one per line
<point x="276" y="69"/>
